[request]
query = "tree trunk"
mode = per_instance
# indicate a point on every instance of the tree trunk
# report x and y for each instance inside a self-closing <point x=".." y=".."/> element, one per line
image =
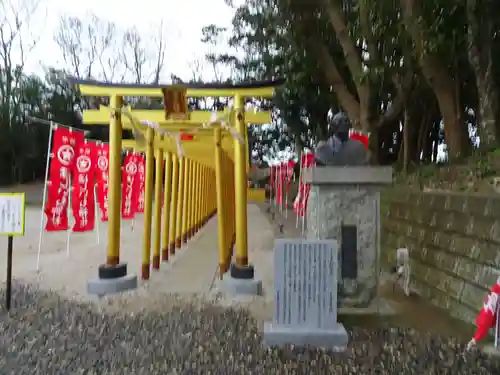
<point x="423" y="139"/>
<point x="374" y="147"/>
<point x="440" y="80"/>
<point x="415" y="117"/>
<point x="299" y="146"/>
<point x="360" y="106"/>
<point x="411" y="126"/>
<point x="480" y="39"/>
<point x="428" y="140"/>
<point x="455" y="130"/>
<point x="347" y="100"/>
<point x="406" y="141"/>
<point x="434" y="141"/>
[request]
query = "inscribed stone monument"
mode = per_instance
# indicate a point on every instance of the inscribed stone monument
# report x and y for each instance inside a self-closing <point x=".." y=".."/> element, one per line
<point x="305" y="286"/>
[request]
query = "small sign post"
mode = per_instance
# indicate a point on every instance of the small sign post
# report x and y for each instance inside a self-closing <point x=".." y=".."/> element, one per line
<point x="12" y="215"/>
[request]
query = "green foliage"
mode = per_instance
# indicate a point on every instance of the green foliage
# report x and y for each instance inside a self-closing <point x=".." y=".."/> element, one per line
<point x="23" y="148"/>
<point x="378" y="60"/>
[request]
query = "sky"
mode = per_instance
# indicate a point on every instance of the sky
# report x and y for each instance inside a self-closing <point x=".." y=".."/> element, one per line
<point x="183" y="21"/>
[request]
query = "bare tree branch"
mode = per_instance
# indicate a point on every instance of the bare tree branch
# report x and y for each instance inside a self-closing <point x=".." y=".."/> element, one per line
<point x="196" y="67"/>
<point x="88" y="47"/>
<point x="134" y="54"/>
<point x="160" y="44"/>
<point x="15" y="17"/>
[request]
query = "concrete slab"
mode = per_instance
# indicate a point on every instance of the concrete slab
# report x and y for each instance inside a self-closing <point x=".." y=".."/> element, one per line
<point x="348" y="175"/>
<point x="334" y="338"/>
<point x="241" y="287"/>
<point x="103" y="287"/>
<point x="260" y="254"/>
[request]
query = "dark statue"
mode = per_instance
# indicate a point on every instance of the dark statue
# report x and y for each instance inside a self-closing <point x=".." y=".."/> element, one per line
<point x="339" y="150"/>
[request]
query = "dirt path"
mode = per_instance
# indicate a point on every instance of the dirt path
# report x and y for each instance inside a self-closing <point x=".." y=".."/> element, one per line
<point x="412" y="312"/>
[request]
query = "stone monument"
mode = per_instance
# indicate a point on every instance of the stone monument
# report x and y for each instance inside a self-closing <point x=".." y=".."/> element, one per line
<point x="344" y="204"/>
<point x="305" y="287"/>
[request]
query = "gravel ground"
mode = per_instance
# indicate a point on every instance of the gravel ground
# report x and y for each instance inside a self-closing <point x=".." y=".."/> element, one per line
<point x="48" y="334"/>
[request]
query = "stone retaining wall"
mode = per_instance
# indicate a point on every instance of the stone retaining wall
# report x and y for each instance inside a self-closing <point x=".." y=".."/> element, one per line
<point x="454" y="243"/>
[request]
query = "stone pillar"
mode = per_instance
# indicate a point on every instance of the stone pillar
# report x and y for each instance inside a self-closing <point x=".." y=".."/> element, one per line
<point x="344" y="204"/>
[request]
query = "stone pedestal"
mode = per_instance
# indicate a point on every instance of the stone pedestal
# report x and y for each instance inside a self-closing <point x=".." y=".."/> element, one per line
<point x="344" y="204"/>
<point x="111" y="279"/>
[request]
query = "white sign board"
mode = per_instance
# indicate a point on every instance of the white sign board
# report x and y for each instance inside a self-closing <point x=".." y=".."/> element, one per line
<point x="12" y="209"/>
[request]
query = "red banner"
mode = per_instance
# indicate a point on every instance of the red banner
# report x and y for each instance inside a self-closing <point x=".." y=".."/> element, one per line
<point x="102" y="162"/>
<point x="62" y="158"/>
<point x="300" y="203"/>
<point x="130" y="186"/>
<point x="360" y="137"/>
<point x="82" y="198"/>
<point x="141" y="169"/>
<point x="487" y="317"/>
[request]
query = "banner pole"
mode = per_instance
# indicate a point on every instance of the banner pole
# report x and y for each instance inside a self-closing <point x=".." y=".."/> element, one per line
<point x="299" y="195"/>
<point x="497" y="326"/>
<point x="44" y="196"/>
<point x="275" y="187"/>
<point x="68" y="236"/>
<point x="281" y="190"/>
<point x="270" y="200"/>
<point x="305" y="198"/>
<point x="96" y="205"/>
<point x="286" y="203"/>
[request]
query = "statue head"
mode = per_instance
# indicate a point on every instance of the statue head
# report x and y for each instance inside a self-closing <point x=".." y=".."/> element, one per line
<point x="340" y="126"/>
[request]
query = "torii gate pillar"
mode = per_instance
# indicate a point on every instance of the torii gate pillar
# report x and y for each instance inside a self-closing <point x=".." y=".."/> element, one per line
<point x="241" y="279"/>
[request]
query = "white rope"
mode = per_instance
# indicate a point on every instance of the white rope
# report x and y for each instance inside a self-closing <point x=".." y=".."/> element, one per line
<point x="214" y="120"/>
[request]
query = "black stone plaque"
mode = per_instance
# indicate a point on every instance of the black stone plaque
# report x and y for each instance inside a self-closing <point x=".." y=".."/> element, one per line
<point x="349" y="251"/>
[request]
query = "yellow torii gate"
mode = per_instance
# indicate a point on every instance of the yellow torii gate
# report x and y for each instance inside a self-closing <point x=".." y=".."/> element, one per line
<point x="205" y="162"/>
<point x="222" y="165"/>
<point x="196" y="150"/>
